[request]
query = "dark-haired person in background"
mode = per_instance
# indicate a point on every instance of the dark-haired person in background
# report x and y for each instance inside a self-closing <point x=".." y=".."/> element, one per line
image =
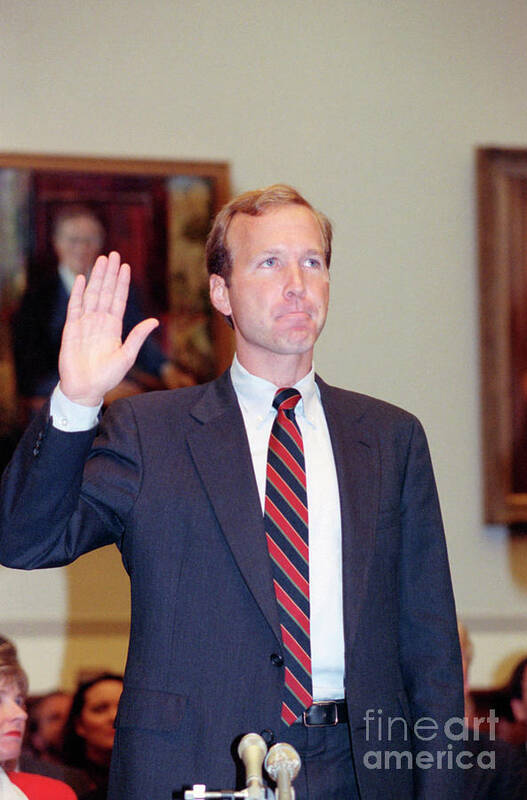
<point x="494" y="769"/>
<point x="89" y="731"/>
<point x="516" y="691"/>
<point x="179" y="480"/>
<point x="45" y="726"/>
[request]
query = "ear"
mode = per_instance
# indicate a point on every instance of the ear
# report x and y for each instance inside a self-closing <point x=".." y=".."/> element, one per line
<point x="219" y="295"/>
<point x="518" y="709"/>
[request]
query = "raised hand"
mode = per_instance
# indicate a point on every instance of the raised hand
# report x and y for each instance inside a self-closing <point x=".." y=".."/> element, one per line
<point x="93" y="359"/>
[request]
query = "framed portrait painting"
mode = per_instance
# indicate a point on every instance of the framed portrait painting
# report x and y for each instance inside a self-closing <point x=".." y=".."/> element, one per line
<point x="155" y="213"/>
<point x="502" y="227"/>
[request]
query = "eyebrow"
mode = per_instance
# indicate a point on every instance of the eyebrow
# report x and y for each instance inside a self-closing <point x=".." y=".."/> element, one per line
<point x="271" y="251"/>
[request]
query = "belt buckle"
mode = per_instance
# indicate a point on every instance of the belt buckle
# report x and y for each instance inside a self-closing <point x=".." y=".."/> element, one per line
<point x="320" y="724"/>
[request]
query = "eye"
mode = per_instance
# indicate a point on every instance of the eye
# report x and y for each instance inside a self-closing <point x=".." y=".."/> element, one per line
<point x="20" y="701"/>
<point x="100" y="708"/>
<point x="270" y="262"/>
<point x="313" y="263"/>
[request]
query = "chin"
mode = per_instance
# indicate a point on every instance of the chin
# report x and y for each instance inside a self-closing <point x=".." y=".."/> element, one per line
<point x="8" y="755"/>
<point x="298" y="344"/>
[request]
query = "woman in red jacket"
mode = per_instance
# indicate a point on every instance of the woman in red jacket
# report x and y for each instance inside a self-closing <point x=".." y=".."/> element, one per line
<point x="13" y="691"/>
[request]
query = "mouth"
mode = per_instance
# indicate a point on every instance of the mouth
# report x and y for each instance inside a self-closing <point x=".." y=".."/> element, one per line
<point x="14" y="734"/>
<point x="295" y="313"/>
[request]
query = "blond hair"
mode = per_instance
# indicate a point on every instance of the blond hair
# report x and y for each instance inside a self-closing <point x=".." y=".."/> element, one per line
<point x="10" y="670"/>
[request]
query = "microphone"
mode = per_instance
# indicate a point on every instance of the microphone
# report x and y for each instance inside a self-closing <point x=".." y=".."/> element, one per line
<point x="283" y="764"/>
<point x="252" y="750"/>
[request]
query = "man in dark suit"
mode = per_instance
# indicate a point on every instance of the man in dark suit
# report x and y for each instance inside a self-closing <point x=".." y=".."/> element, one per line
<point x="177" y="480"/>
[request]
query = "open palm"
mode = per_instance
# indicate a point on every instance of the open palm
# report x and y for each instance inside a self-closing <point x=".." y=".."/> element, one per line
<point x="93" y="359"/>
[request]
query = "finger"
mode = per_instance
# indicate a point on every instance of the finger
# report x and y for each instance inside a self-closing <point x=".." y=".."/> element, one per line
<point x="120" y="293"/>
<point x="109" y="282"/>
<point x="75" y="302"/>
<point x="93" y="289"/>
<point x="136" y="338"/>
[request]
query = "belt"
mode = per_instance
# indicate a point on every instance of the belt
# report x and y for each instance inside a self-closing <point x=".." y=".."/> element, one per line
<point x="324" y="712"/>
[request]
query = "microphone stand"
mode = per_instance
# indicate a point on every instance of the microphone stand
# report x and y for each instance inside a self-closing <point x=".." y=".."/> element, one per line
<point x="282" y="764"/>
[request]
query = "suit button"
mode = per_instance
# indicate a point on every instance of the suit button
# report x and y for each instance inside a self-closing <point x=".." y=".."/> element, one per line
<point x="277" y="659"/>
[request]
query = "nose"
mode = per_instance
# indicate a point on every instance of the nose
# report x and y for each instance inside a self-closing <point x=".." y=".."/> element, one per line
<point x="295" y="281"/>
<point x="15" y="711"/>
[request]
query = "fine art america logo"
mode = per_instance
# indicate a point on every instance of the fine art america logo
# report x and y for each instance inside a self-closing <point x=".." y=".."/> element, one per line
<point x="427" y="729"/>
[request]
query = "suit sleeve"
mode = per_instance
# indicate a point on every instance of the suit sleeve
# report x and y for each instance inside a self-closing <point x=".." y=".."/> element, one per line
<point x="429" y="643"/>
<point x="63" y="494"/>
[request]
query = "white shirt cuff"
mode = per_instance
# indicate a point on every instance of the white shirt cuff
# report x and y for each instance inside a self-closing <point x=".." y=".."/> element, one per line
<point x="72" y="417"/>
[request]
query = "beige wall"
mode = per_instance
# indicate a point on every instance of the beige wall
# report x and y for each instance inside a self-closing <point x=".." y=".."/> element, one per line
<point x="373" y="109"/>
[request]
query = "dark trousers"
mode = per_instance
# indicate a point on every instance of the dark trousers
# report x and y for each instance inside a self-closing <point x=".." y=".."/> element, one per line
<point x="327" y="771"/>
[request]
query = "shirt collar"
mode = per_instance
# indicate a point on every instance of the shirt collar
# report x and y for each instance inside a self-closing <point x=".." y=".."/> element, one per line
<point x="256" y="395"/>
<point x="67" y="277"/>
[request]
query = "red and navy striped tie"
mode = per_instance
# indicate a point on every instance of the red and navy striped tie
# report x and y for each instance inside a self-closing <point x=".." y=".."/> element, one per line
<point x="286" y="528"/>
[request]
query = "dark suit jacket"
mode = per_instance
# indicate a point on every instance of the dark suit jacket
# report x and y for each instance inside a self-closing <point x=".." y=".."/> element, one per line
<point x="170" y="480"/>
<point x="37" y="331"/>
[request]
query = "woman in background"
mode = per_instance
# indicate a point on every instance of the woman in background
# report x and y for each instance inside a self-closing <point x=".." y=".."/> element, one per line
<point x="89" y="731"/>
<point x="16" y="785"/>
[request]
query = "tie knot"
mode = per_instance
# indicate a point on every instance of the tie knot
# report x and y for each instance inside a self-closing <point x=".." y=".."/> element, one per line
<point x="286" y="399"/>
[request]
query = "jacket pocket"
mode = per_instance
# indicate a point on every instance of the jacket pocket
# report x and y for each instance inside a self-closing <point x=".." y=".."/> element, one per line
<point x="150" y="709"/>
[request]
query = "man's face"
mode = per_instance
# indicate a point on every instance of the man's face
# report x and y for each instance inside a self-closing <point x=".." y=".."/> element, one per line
<point x="77" y="243"/>
<point x="279" y="286"/>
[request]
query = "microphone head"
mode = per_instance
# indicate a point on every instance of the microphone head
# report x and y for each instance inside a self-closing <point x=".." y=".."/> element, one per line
<point x="252" y="750"/>
<point x="254" y="741"/>
<point x="282" y="756"/>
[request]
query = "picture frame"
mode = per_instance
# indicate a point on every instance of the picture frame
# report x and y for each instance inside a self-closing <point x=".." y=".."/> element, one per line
<point x="502" y="239"/>
<point x="156" y="213"/>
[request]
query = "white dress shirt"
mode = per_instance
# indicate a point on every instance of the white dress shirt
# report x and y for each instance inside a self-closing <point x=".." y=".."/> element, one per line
<point x="67" y="277"/>
<point x="255" y="396"/>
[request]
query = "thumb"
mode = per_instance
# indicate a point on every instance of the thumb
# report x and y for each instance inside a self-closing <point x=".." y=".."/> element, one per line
<point x="137" y="336"/>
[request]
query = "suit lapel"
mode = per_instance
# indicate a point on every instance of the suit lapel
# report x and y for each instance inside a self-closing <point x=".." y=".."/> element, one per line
<point x="356" y="460"/>
<point x="221" y="454"/>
